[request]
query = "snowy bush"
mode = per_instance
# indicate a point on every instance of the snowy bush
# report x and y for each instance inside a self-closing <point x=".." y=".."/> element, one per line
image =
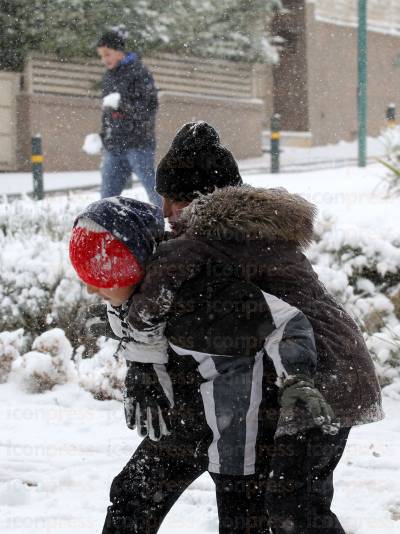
<point x="43" y="306"/>
<point x="47" y="364"/>
<point x="11" y="344"/>
<point x="362" y="270"/>
<point x="391" y="141"/>
<point x="385" y="346"/>
<point x="38" y="286"/>
<point x="103" y="374"/>
<point x="52" y="361"/>
<point x="233" y="29"/>
<point x="39" y="291"/>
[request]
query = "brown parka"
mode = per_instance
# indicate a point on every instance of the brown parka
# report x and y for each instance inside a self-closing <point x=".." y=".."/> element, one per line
<point x="259" y="235"/>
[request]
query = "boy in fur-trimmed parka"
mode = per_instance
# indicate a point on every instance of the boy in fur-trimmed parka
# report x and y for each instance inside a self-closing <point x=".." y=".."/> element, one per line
<point x="258" y="235"/>
<point x="110" y="245"/>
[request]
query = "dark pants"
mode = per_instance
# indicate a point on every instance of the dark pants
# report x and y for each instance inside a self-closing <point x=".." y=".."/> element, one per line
<point x="292" y="491"/>
<point x="300" y="486"/>
<point x="155" y="477"/>
<point x="151" y="482"/>
<point x="117" y="168"/>
<point x="241" y="504"/>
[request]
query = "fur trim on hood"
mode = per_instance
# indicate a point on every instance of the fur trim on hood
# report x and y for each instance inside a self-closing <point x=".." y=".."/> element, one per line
<point x="249" y="213"/>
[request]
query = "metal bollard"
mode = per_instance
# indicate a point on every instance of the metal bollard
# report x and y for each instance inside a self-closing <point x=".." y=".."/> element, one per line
<point x="275" y="142"/>
<point x="37" y="167"/>
<point x="391" y="115"/>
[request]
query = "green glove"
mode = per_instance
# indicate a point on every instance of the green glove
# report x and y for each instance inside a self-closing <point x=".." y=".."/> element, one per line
<point x="301" y="389"/>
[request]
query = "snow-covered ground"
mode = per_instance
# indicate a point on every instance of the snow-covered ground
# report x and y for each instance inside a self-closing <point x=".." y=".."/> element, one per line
<point x="61" y="449"/>
<point x="331" y="156"/>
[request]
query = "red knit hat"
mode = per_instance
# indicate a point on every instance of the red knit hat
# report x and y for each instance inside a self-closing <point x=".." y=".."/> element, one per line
<point x="100" y="259"/>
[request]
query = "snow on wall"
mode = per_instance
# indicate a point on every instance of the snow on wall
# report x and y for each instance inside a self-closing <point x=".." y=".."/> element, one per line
<point x="383" y="16"/>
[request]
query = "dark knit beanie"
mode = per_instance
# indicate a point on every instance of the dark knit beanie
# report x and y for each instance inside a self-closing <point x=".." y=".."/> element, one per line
<point x="112" y="40"/>
<point x="196" y="163"/>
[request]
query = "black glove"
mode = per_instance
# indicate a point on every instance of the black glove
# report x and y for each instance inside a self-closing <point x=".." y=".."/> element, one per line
<point x="148" y="399"/>
<point x="97" y="322"/>
<point x="301" y="389"/>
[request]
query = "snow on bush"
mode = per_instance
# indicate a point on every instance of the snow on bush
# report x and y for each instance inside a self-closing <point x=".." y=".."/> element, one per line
<point x="390" y="139"/>
<point x="39" y="291"/>
<point x="103" y="374"/>
<point x="38" y="286"/>
<point x="385" y="345"/>
<point x="52" y="361"/>
<point x="11" y="344"/>
<point x="362" y="270"/>
<point x="47" y="364"/>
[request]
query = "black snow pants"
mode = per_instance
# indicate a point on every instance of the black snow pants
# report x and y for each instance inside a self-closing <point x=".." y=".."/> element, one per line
<point x="159" y="472"/>
<point x="150" y="483"/>
<point x="292" y="489"/>
<point x="155" y="477"/>
<point x="292" y="495"/>
<point x="300" y="486"/>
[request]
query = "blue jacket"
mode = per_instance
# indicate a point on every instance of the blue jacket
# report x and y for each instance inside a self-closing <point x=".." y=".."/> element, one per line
<point x="132" y="125"/>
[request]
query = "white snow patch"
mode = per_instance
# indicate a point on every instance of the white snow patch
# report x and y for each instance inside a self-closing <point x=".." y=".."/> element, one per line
<point x="92" y="144"/>
<point x="112" y="100"/>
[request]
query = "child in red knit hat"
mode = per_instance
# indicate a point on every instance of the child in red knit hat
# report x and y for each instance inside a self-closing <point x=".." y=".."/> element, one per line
<point x="110" y="244"/>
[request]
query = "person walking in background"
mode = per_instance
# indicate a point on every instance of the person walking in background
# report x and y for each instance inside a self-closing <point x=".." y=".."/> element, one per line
<point x="128" y="120"/>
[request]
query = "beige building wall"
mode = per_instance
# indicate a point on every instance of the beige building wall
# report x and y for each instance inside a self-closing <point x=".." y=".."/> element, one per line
<point x="64" y="122"/>
<point x="315" y="84"/>
<point x="9" y="87"/>
<point x="383" y="15"/>
<point x="290" y="75"/>
<point x="263" y="89"/>
<point x="332" y="72"/>
<point x="238" y="122"/>
<point x="61" y="103"/>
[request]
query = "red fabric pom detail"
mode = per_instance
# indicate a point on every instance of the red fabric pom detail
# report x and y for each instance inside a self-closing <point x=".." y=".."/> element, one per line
<point x="101" y="260"/>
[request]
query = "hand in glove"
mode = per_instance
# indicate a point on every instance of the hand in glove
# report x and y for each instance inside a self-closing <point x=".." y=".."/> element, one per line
<point x="301" y="389"/>
<point x="97" y="323"/>
<point x="148" y="399"/>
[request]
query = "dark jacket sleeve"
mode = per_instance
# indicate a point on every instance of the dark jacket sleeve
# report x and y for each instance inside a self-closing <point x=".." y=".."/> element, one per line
<point x="297" y="347"/>
<point x="291" y="346"/>
<point x="174" y="262"/>
<point x="138" y="93"/>
<point x="133" y="123"/>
